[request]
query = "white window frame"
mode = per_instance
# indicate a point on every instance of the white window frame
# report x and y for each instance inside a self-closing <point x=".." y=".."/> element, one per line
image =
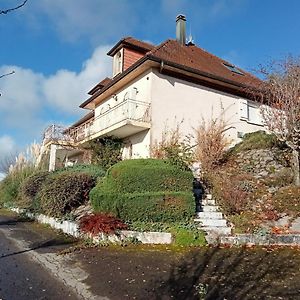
<point x="118" y="63"/>
<point x="246" y="114"/>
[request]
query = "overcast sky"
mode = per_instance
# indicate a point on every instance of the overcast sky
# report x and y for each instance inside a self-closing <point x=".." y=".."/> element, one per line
<point x="57" y="48"/>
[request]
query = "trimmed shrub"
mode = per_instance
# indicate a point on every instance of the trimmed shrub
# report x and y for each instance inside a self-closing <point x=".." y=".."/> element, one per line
<point x="105" y="223"/>
<point x="29" y="189"/>
<point x="33" y="183"/>
<point x="146" y="175"/>
<point x="64" y="191"/>
<point x="148" y="207"/>
<point x="92" y="170"/>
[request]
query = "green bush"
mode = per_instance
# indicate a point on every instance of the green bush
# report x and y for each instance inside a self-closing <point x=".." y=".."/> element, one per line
<point x="106" y="151"/>
<point x="64" y="191"/>
<point x="148" y="206"/>
<point x="29" y="189"/>
<point x="257" y="140"/>
<point x="92" y="170"/>
<point x="33" y="183"/>
<point x="10" y="186"/>
<point x="146" y="175"/>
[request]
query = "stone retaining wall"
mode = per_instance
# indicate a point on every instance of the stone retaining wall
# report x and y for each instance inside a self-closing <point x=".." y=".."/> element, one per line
<point x="262" y="240"/>
<point x="72" y="229"/>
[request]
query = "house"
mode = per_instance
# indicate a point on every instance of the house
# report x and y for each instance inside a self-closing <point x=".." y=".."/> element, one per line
<point x="156" y="86"/>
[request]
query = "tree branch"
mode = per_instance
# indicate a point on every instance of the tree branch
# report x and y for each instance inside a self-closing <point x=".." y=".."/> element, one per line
<point x="6" y="11"/>
<point x="7" y="74"/>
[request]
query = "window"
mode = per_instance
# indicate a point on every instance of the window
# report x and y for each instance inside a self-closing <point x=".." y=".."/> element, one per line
<point x="118" y="63"/>
<point x="250" y="112"/>
<point x="233" y="69"/>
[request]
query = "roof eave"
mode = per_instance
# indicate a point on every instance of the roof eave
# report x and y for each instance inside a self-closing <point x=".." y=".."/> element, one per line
<point x="198" y="72"/>
<point x="234" y="85"/>
<point x="114" y="81"/>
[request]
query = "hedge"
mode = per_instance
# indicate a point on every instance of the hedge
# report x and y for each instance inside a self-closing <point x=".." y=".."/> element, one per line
<point x="148" y="206"/>
<point x="92" y="170"/>
<point x="63" y="192"/>
<point x="146" y="175"/>
<point x="30" y="188"/>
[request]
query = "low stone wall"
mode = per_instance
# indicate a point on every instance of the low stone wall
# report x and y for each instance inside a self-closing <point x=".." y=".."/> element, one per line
<point x="260" y="162"/>
<point x="72" y="229"/>
<point x="262" y="240"/>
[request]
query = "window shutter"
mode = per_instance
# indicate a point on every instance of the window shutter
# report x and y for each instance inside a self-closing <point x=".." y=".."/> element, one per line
<point x="243" y="109"/>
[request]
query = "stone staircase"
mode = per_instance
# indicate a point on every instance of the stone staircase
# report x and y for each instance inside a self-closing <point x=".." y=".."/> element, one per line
<point x="211" y="219"/>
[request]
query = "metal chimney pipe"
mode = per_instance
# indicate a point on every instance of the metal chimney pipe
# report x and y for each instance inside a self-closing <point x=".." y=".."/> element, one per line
<point x="180" y="29"/>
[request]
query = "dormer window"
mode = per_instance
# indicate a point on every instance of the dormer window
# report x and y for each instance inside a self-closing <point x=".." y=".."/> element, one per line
<point x="118" y="63"/>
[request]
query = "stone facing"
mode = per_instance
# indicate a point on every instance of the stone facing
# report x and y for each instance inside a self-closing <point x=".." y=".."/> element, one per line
<point x="72" y="229"/>
<point x="262" y="240"/>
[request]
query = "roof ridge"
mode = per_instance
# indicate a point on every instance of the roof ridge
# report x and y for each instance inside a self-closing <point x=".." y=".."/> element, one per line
<point x="138" y="40"/>
<point x="158" y="47"/>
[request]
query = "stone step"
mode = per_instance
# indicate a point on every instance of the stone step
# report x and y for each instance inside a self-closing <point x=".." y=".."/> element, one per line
<point x="207" y="208"/>
<point x="209" y="202"/>
<point x="223" y="230"/>
<point x="211" y="222"/>
<point x="209" y="215"/>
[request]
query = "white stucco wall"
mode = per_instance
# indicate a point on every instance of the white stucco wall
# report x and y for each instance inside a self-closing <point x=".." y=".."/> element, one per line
<point x="139" y="143"/>
<point x="142" y="85"/>
<point x="136" y="145"/>
<point x="177" y="101"/>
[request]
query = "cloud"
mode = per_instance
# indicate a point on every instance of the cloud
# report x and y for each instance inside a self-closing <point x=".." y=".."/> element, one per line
<point x="65" y="90"/>
<point x="2" y="176"/>
<point x="7" y="146"/>
<point x="21" y="96"/>
<point x="30" y="100"/>
<point x="97" y="20"/>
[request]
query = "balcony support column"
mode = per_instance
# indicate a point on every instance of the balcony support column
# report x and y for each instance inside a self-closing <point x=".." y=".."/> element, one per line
<point x="52" y="158"/>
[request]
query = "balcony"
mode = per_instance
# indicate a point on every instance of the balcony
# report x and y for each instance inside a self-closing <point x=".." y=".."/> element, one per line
<point x="124" y="119"/>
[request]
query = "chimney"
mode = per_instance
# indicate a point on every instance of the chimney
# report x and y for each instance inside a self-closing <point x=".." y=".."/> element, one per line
<point x="180" y="29"/>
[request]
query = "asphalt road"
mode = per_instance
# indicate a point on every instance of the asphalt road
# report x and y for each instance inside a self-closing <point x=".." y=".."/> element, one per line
<point x="20" y="276"/>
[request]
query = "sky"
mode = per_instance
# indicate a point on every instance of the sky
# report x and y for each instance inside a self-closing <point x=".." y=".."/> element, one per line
<point x="57" y="49"/>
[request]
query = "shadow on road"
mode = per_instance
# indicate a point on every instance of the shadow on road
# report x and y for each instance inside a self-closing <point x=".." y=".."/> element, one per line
<point x="15" y="221"/>
<point x="237" y="273"/>
<point x="36" y="243"/>
<point x="40" y="245"/>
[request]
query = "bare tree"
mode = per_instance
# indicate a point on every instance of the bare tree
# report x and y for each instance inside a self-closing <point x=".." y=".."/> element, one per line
<point x="6" y="11"/>
<point x="6" y="74"/>
<point x="280" y="96"/>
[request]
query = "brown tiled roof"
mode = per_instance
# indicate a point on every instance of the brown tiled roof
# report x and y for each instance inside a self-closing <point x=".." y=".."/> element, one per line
<point x="195" y="58"/>
<point x="100" y="85"/>
<point x="131" y="43"/>
<point x="188" y="58"/>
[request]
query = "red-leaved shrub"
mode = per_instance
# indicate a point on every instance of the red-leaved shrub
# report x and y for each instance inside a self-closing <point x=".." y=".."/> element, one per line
<point x="105" y="223"/>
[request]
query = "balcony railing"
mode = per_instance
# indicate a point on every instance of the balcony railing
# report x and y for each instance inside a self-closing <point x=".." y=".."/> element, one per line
<point x="56" y="133"/>
<point x="128" y="110"/>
